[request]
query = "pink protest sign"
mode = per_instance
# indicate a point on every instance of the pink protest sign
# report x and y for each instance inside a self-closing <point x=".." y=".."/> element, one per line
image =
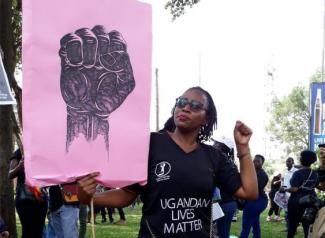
<point x="86" y="94"/>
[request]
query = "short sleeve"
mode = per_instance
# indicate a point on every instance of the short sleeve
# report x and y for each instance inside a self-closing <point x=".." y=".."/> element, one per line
<point x="227" y="177"/>
<point x="296" y="180"/>
<point x="262" y="179"/>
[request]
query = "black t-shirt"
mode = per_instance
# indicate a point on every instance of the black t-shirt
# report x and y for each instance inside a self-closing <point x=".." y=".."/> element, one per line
<point x="177" y="197"/>
<point x="305" y="180"/>
<point x="262" y="180"/>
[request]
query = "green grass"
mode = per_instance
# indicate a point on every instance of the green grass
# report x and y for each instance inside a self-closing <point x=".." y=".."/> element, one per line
<point x="130" y="229"/>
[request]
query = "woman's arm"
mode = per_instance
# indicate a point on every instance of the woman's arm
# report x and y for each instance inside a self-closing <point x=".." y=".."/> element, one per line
<point x="15" y="167"/>
<point x="113" y="198"/>
<point x="291" y="190"/>
<point x="249" y="188"/>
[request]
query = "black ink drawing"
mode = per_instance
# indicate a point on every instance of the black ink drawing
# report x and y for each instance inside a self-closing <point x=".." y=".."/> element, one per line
<point x="96" y="77"/>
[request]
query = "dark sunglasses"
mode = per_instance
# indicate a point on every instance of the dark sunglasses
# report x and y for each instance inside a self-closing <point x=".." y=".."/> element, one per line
<point x="195" y="106"/>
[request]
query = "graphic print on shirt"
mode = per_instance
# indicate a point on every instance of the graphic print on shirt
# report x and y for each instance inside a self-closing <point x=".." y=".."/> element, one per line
<point x="182" y="212"/>
<point x="162" y="171"/>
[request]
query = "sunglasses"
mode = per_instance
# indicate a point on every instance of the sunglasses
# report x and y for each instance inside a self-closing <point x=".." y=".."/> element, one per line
<point x="195" y="106"/>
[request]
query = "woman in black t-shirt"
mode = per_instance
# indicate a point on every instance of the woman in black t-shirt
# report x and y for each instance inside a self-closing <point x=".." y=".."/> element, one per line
<point x="303" y="182"/>
<point x="31" y="211"/>
<point x="253" y="209"/>
<point x="182" y="173"/>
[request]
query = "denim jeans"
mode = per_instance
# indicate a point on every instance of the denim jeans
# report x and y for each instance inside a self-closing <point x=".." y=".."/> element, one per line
<point x="251" y="217"/>
<point x="65" y="221"/>
<point x="224" y="222"/>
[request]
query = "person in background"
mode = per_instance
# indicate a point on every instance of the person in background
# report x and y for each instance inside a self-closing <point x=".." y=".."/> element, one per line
<point x="31" y="204"/>
<point x="274" y="208"/>
<point x="64" y="216"/>
<point x="183" y="169"/>
<point x="227" y="202"/>
<point x="286" y="183"/>
<point x="303" y="182"/>
<point x="110" y="211"/>
<point x="321" y="170"/>
<point x="253" y="209"/>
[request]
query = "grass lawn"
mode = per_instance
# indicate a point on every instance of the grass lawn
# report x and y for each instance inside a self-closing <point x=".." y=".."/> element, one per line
<point x="130" y="229"/>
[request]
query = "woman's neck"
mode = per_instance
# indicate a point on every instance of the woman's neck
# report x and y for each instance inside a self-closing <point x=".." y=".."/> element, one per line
<point x="186" y="141"/>
<point x="188" y="138"/>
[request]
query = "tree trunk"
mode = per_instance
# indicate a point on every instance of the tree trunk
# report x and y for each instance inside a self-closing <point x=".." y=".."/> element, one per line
<point x="7" y="205"/>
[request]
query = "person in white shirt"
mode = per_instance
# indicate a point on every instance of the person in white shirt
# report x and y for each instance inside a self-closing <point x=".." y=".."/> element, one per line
<point x="288" y="173"/>
<point x="286" y="180"/>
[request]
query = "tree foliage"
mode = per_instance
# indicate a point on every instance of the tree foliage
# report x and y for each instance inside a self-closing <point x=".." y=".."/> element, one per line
<point x="177" y="7"/>
<point x="289" y="123"/>
<point x="10" y="42"/>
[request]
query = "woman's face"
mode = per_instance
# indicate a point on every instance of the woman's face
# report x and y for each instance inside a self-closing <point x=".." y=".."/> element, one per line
<point x="258" y="162"/>
<point x="190" y="110"/>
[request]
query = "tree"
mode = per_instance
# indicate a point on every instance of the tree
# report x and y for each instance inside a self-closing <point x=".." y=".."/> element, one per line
<point x="177" y="7"/>
<point x="289" y="123"/>
<point x="10" y="42"/>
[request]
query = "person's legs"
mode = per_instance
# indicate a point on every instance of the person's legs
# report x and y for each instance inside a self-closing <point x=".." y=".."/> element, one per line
<point x="82" y="220"/>
<point x="103" y="213"/>
<point x="56" y="223"/>
<point x="306" y="228"/>
<point x="271" y="210"/>
<point x="248" y="217"/>
<point x="39" y="210"/>
<point x="50" y="229"/>
<point x="110" y="215"/>
<point x="32" y="217"/>
<point x="23" y="210"/>
<point x="292" y="226"/>
<point x="121" y="213"/>
<point x="260" y="206"/>
<point x="294" y="216"/>
<point x="276" y="212"/>
<point x="69" y="221"/>
<point x="224" y="222"/>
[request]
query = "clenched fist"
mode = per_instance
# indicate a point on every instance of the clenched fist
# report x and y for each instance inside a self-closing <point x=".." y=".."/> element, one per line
<point x="96" y="77"/>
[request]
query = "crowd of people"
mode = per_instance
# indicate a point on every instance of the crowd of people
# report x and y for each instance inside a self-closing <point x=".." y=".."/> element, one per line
<point x="183" y="173"/>
<point x="67" y="217"/>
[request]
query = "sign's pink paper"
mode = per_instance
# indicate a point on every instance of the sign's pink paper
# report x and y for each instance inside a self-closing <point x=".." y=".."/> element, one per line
<point x="86" y="97"/>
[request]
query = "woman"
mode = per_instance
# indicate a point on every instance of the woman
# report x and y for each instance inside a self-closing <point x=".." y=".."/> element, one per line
<point x="31" y="209"/>
<point x="182" y="173"/>
<point x="253" y="209"/>
<point x="303" y="182"/>
<point x="274" y="208"/>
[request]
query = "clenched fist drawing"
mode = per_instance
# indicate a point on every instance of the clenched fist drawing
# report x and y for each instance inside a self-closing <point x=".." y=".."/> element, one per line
<point x="96" y="77"/>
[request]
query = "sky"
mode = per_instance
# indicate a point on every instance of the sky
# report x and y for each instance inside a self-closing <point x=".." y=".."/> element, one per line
<point x="227" y="47"/>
